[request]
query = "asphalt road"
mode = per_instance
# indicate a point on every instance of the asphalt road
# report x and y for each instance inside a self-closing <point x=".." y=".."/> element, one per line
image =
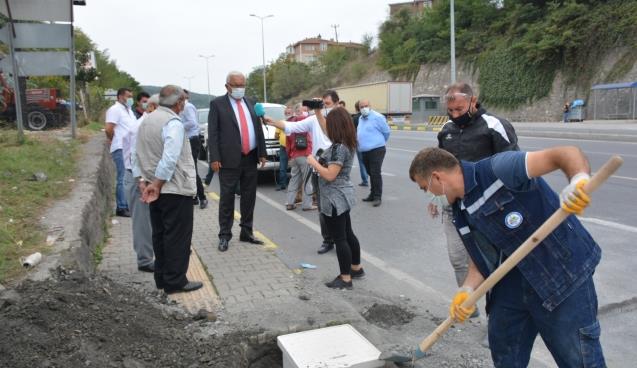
<point x="404" y="249"/>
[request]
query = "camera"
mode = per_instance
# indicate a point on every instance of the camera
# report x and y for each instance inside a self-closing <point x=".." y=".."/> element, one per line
<point x="319" y="157"/>
<point x="312" y="104"/>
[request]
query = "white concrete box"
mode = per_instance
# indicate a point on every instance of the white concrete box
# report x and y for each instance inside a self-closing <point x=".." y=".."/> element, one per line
<point x="331" y="347"/>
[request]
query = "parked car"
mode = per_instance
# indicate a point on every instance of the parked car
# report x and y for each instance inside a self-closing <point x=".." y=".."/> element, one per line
<point x="275" y="111"/>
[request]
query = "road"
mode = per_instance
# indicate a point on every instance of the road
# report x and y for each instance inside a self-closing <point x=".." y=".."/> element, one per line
<point x="404" y="250"/>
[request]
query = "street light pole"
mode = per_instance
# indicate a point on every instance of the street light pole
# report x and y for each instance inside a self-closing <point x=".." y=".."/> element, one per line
<point x="453" y="42"/>
<point x="265" y="94"/>
<point x="189" y="79"/>
<point x="335" y="26"/>
<point x="207" y="57"/>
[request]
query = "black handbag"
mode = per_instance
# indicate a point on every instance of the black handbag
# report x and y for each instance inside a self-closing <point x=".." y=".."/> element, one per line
<point x="300" y="141"/>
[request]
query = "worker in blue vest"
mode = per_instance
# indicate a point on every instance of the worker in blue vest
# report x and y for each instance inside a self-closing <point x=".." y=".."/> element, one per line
<point x="498" y="202"/>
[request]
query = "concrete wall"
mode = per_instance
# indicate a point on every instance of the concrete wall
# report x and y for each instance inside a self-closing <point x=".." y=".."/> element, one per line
<point x="434" y="79"/>
<point x="84" y="214"/>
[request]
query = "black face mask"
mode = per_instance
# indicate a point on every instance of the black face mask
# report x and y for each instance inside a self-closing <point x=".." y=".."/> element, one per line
<point x="463" y="119"/>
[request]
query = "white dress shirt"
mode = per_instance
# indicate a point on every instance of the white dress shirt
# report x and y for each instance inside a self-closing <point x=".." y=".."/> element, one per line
<point x="246" y="112"/>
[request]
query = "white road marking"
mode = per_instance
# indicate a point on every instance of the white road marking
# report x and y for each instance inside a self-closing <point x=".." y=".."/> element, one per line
<point x="401" y="149"/>
<point x="613" y="225"/>
<point x="387" y="174"/>
<point x="368" y="257"/>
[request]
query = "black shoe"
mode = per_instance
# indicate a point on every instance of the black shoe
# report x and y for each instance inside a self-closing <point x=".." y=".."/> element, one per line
<point x="207" y="182"/>
<point x="280" y="189"/>
<point x="368" y="199"/>
<point x="357" y="274"/>
<point x="338" y="283"/>
<point x="190" y="286"/>
<point x="249" y="238"/>
<point x="148" y="268"/>
<point x="223" y="245"/>
<point x="325" y="247"/>
<point x="203" y="203"/>
<point x="376" y="202"/>
<point x="122" y="212"/>
<point x="363" y="185"/>
<point x="195" y="201"/>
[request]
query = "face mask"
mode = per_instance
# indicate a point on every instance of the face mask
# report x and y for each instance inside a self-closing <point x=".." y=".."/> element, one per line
<point x="463" y="119"/>
<point x="365" y="111"/>
<point x="439" y="200"/>
<point x="237" y="93"/>
<point x="327" y="110"/>
<point x="144" y="105"/>
<point x="305" y="114"/>
<point x="129" y="102"/>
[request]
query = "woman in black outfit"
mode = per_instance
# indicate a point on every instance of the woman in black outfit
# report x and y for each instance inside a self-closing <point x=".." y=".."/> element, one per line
<point x="336" y="193"/>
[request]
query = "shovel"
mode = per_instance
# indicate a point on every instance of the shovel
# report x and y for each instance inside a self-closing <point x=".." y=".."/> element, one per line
<point x="533" y="241"/>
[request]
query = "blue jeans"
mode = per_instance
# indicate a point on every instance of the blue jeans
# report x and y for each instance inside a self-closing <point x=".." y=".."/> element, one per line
<point x="566" y="115"/>
<point x="362" y="167"/>
<point x="283" y="168"/>
<point x="120" y="193"/>
<point x="570" y="331"/>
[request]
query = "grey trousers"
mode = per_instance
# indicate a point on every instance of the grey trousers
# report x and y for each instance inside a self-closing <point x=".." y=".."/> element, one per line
<point x="458" y="255"/>
<point x="299" y="169"/>
<point x="140" y="216"/>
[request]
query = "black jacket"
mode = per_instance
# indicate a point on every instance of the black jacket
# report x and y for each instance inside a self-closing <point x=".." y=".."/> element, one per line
<point x="224" y="134"/>
<point x="484" y="136"/>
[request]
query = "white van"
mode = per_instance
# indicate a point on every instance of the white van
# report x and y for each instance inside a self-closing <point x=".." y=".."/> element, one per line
<point x="275" y="111"/>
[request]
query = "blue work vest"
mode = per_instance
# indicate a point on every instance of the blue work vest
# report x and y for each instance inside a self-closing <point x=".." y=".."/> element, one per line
<point x="491" y="214"/>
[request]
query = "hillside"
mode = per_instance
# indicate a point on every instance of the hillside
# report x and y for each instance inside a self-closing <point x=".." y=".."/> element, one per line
<point x="198" y="99"/>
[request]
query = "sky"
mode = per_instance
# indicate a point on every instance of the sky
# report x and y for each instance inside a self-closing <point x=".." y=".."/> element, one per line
<point x="159" y="42"/>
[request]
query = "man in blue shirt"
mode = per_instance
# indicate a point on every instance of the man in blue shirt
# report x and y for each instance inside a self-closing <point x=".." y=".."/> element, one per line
<point x="498" y="202"/>
<point x="373" y="133"/>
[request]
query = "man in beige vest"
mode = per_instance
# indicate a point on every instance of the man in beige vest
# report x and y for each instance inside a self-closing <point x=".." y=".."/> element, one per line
<point x="165" y="171"/>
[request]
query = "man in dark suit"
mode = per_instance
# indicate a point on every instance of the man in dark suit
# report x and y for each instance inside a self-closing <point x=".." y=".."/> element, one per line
<point x="236" y="145"/>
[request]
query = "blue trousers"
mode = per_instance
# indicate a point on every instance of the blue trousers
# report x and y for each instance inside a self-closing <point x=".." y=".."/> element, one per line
<point x="120" y="192"/>
<point x="571" y="331"/>
<point x="283" y="168"/>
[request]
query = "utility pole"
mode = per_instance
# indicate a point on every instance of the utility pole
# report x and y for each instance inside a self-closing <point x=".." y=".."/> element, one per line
<point x="265" y="94"/>
<point x="207" y="57"/>
<point x="453" y="42"/>
<point x="335" y="26"/>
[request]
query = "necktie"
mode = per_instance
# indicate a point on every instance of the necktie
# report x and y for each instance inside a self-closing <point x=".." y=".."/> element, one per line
<point x="245" y="133"/>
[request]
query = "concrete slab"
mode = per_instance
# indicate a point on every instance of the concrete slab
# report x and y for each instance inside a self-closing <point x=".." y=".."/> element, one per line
<point x="336" y="346"/>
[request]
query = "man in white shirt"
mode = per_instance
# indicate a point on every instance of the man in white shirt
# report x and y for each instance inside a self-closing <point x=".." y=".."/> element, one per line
<point x="119" y="119"/>
<point x="319" y="141"/>
<point x="191" y="124"/>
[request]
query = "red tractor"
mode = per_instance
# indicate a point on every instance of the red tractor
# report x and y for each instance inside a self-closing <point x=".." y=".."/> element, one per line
<point x="43" y="109"/>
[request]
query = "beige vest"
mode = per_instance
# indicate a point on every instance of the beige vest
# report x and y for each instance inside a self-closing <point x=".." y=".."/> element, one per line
<point x="150" y="147"/>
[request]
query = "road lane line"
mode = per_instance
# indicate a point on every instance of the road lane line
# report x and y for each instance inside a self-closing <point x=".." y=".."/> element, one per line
<point x="613" y="225"/>
<point x="370" y="258"/>
<point x="401" y="149"/>
<point x="387" y="174"/>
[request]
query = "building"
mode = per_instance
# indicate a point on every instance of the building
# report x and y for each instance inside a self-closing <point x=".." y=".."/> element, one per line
<point x="415" y="7"/>
<point x="309" y="49"/>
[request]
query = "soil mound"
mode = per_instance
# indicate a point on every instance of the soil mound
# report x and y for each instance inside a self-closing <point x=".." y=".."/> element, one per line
<point x="387" y="315"/>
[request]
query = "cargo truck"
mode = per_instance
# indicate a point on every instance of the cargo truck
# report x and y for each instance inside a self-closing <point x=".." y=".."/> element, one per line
<point x="392" y="99"/>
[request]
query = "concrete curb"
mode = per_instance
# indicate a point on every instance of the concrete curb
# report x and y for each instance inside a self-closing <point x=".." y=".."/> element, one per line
<point x="83" y="215"/>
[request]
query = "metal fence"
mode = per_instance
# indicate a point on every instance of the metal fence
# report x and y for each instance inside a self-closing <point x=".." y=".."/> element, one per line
<point x="613" y="101"/>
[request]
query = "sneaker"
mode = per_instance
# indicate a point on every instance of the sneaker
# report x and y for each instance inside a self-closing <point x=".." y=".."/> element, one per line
<point x="339" y="284"/>
<point x="122" y="212"/>
<point x="363" y="185"/>
<point x="357" y="274"/>
<point x="325" y="247"/>
<point x="290" y="207"/>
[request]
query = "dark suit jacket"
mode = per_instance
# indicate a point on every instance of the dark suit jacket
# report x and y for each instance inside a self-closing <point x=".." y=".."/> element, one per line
<point x="224" y="134"/>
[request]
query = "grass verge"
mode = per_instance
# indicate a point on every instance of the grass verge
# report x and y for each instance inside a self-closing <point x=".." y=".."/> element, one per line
<point x="23" y="200"/>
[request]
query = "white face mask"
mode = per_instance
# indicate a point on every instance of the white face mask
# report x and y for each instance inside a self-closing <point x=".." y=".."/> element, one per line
<point x="439" y="200"/>
<point x="365" y="111"/>
<point x="305" y="114"/>
<point x="238" y="93"/>
<point x="327" y="110"/>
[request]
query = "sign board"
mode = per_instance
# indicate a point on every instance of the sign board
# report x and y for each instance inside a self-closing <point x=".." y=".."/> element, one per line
<point x="40" y="63"/>
<point x="42" y="10"/>
<point x="38" y="36"/>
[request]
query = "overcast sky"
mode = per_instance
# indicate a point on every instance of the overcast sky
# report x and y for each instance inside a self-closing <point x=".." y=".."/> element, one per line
<point x="158" y="41"/>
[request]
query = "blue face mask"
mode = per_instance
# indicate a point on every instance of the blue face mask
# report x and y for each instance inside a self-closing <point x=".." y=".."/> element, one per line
<point x="144" y="105"/>
<point x="129" y="102"/>
<point x="439" y="200"/>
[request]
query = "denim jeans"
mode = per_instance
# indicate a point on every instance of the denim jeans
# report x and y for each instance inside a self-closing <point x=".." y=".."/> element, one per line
<point x="570" y="331"/>
<point x="361" y="165"/>
<point x="120" y="193"/>
<point x="283" y="168"/>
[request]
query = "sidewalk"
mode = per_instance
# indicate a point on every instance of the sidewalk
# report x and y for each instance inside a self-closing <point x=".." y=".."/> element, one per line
<point x="244" y="277"/>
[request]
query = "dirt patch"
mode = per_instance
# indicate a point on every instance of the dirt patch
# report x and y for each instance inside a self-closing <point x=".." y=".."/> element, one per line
<point x="387" y="315"/>
<point x="73" y="321"/>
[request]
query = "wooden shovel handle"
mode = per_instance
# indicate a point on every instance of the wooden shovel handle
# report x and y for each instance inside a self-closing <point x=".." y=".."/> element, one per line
<point x="533" y="241"/>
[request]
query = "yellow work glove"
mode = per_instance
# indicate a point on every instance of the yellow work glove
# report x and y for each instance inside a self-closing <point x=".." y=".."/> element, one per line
<point x="573" y="197"/>
<point x="456" y="311"/>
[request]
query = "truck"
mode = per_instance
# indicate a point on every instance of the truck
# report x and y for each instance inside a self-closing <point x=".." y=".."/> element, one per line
<point x="390" y="98"/>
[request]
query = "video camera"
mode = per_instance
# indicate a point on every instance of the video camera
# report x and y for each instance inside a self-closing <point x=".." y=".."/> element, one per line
<point x="315" y="103"/>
